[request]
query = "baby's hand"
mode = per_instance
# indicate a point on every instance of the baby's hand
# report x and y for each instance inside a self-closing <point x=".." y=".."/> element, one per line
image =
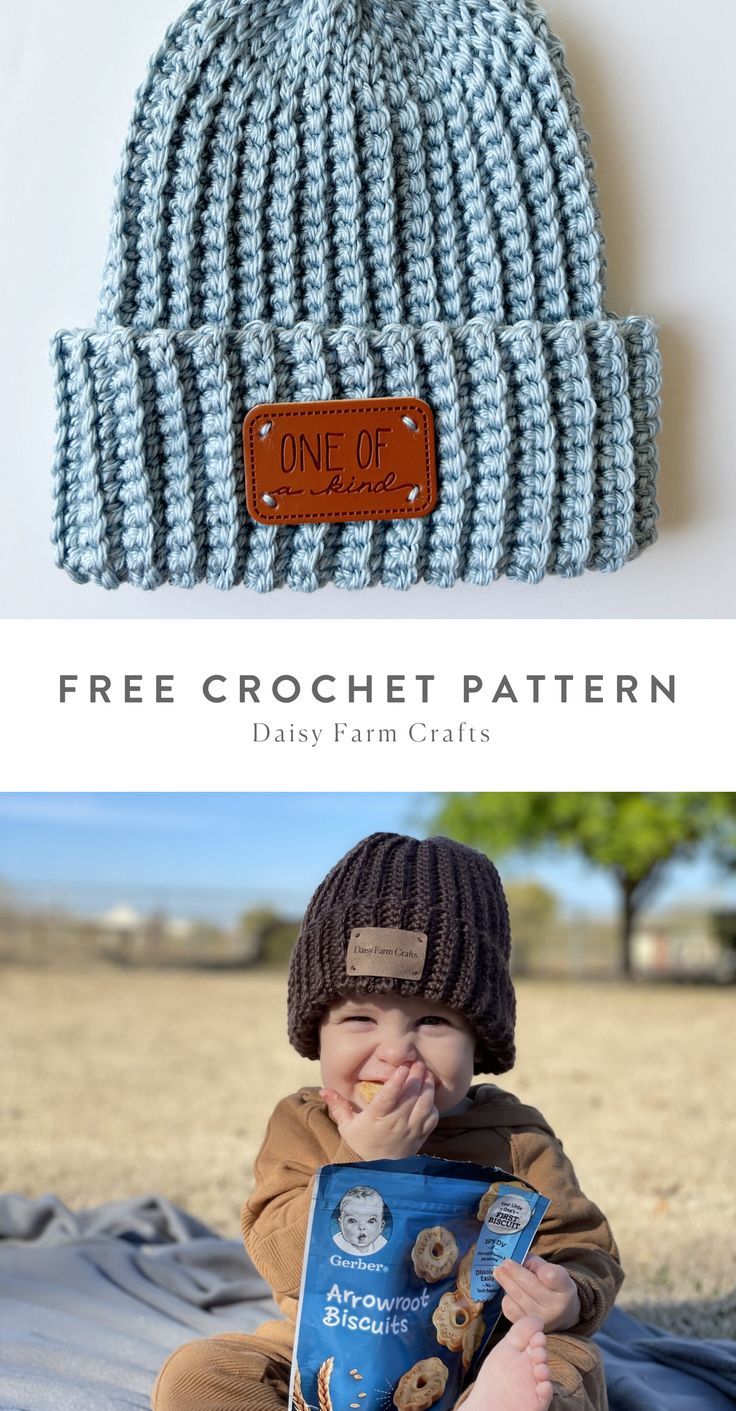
<point x="541" y="1289"/>
<point x="397" y="1122"/>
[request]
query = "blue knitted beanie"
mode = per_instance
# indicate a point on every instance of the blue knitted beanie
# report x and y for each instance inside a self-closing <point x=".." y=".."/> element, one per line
<point x="339" y="199"/>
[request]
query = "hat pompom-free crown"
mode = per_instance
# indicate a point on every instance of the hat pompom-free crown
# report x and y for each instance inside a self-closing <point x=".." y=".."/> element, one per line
<point x="326" y="199"/>
<point x="401" y="886"/>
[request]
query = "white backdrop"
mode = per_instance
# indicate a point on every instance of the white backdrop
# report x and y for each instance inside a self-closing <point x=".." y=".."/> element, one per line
<point x="656" y="86"/>
<point x="187" y="741"/>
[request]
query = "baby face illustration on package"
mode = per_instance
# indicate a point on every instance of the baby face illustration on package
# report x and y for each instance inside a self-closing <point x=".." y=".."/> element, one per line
<point x="361" y="1219"/>
<point x="398" y="1299"/>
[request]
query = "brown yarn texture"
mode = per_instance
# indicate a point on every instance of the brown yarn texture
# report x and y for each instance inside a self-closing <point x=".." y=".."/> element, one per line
<point x="448" y="891"/>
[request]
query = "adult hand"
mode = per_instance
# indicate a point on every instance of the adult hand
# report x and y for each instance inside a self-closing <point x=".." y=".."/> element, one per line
<point x="539" y="1289"/>
<point x="398" y="1120"/>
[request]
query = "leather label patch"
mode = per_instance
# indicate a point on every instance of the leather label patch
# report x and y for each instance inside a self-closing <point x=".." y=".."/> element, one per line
<point x="328" y="462"/>
<point x="379" y="950"/>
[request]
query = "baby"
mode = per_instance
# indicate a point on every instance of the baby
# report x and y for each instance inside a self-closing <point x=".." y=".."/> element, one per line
<point x="400" y="979"/>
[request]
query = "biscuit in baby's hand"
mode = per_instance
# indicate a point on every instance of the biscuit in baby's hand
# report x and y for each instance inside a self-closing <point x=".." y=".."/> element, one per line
<point x="422" y="1385"/>
<point x="369" y="1090"/>
<point x="434" y="1254"/>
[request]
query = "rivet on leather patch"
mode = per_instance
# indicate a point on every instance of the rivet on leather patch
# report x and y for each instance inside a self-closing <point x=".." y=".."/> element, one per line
<point x="327" y="462"/>
<point x="382" y="950"/>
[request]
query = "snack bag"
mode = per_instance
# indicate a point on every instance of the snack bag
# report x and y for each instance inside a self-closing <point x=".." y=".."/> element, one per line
<point x="398" y="1299"/>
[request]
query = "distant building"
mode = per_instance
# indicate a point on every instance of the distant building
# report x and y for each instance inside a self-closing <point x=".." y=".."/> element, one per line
<point x="680" y="945"/>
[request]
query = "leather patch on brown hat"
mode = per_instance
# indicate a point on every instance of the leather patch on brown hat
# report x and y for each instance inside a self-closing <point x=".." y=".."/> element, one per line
<point x="379" y="950"/>
<point x="330" y="462"/>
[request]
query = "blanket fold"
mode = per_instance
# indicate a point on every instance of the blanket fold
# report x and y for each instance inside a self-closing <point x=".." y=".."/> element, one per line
<point x="92" y="1302"/>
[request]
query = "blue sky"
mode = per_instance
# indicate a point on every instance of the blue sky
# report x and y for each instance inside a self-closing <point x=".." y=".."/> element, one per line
<point x="246" y="847"/>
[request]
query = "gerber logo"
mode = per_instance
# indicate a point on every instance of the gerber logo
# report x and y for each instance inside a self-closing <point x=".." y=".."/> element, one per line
<point x="331" y="462"/>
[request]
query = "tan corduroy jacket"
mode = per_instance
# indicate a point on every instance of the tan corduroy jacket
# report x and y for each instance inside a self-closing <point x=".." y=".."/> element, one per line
<point x="496" y="1130"/>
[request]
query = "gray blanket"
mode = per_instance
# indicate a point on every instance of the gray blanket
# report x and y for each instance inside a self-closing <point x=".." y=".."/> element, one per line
<point x="91" y="1304"/>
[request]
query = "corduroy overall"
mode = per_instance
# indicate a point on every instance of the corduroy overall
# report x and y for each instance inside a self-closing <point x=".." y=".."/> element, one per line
<point x="242" y="1372"/>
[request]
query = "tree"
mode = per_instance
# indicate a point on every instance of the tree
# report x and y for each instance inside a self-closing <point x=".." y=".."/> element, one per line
<point x="251" y="930"/>
<point x="533" y="913"/>
<point x="633" y="836"/>
<point x="267" y="937"/>
<point x="724" y="926"/>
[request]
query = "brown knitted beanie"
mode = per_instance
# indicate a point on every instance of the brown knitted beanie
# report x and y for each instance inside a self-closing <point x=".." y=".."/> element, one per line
<point x="437" y="889"/>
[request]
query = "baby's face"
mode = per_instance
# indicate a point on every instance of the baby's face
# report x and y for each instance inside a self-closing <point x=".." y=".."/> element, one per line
<point x="361" y="1220"/>
<point x="365" y="1039"/>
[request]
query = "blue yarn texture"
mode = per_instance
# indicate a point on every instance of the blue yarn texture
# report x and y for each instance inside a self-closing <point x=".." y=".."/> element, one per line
<point x="343" y="199"/>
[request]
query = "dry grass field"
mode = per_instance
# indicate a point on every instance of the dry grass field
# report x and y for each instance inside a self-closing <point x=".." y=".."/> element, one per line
<point x="119" y="1083"/>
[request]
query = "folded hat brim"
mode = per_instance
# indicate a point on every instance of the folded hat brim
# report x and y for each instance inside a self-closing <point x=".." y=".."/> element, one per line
<point x="546" y="451"/>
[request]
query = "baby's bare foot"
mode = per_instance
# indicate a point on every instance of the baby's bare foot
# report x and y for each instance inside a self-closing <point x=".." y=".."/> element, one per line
<point x="515" y="1375"/>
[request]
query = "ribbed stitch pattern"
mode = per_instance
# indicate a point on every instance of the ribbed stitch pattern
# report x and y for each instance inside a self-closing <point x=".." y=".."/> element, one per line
<point x="356" y="198"/>
<point x="447" y="891"/>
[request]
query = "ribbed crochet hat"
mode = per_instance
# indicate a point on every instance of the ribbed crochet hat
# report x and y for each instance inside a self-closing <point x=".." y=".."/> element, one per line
<point x="450" y="894"/>
<point x="340" y="199"/>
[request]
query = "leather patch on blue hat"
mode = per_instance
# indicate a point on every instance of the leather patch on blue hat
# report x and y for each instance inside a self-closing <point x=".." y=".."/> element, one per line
<point x="332" y="462"/>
